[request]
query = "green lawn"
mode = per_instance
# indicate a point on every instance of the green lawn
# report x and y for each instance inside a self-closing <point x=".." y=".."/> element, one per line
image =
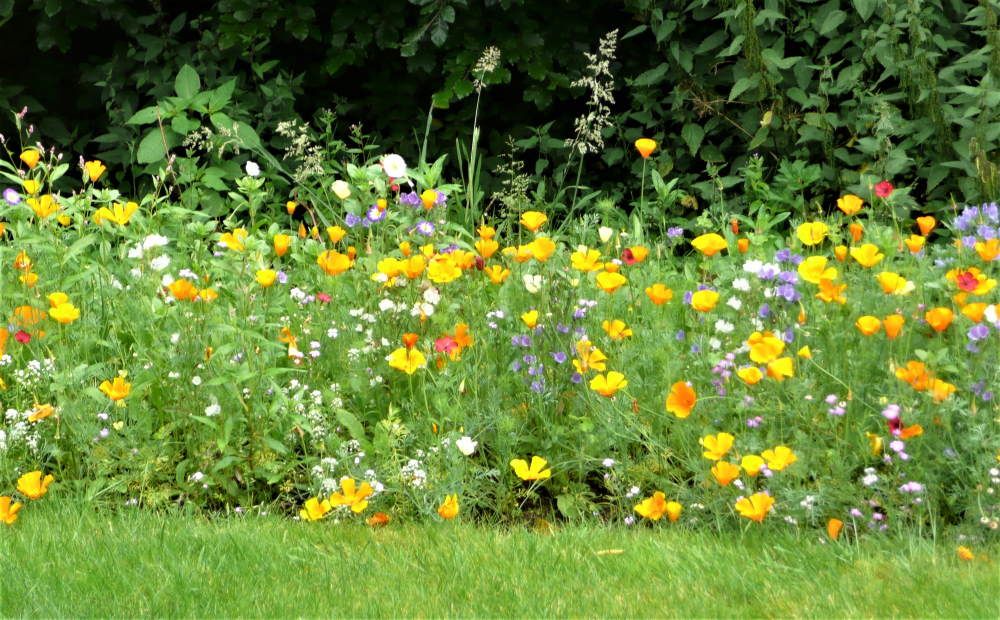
<point x="63" y="559"/>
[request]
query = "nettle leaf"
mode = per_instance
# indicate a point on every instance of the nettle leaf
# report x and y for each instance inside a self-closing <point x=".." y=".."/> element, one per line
<point x="865" y="8"/>
<point x="651" y="77"/>
<point x="693" y="135"/>
<point x="187" y="84"/>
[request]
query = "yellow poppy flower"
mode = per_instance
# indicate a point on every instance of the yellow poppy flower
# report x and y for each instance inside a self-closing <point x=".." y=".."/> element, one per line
<point x="716" y="446"/>
<point x="43" y="206"/>
<point x="333" y="262"/>
<point x="537" y="470"/>
<point x="608" y="386"/>
<point x="65" y="313"/>
<point x="781" y="368"/>
<point x="939" y="318"/>
<point x="352" y="495"/>
<point x="30" y="157"/>
<point x="812" y="233"/>
<point x="681" y="400"/>
<point x="586" y="259"/>
<point x="407" y="360"/>
<point x="610" y="282"/>
<point x="8" y="510"/>
<point x="281" y="244"/>
<point x="709" y="244"/>
<point x="116" y="390"/>
<point x="751" y="375"/>
<point x="752" y="464"/>
<point x="850" y="204"/>
<point x="755" y="507"/>
<point x="314" y="509"/>
<point x="645" y="146"/>
<point x="616" y="329"/>
<point x="926" y="224"/>
<point x="94" y="170"/>
<point x="868" y="325"/>
<point x="266" y="277"/>
<point x="234" y="240"/>
<point x="867" y="255"/>
<point x="779" y="457"/>
<point x="659" y="294"/>
<point x="497" y="273"/>
<point x="533" y="220"/>
<point x="894" y="284"/>
<point x="449" y="507"/>
<point x="764" y="347"/>
<point x="33" y="486"/>
<point x="893" y="324"/>
<point x="704" y="301"/>
<point x="725" y="472"/>
<point x="814" y="269"/>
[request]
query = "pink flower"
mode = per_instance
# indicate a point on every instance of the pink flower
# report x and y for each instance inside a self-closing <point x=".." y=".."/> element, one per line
<point x="884" y="189"/>
<point x="323" y="297"/>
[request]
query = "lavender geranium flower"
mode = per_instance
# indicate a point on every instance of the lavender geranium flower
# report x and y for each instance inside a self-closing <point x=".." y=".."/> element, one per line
<point x="424" y="228"/>
<point x="11" y="196"/>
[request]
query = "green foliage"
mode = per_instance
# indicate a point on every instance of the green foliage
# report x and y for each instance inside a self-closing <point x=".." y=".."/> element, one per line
<point x="901" y="89"/>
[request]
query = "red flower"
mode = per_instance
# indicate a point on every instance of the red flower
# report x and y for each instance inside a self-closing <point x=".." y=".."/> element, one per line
<point x="445" y="344"/>
<point x="628" y="257"/>
<point x="323" y="297"/>
<point x="22" y="336"/>
<point x="967" y="281"/>
<point x="883" y="189"/>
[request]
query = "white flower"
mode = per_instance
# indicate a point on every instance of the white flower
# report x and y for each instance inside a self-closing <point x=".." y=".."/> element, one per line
<point x="213" y="410"/>
<point x="532" y="283"/>
<point x="466" y="445"/>
<point x="753" y="266"/>
<point x="253" y="169"/>
<point x="608" y="463"/>
<point x="734" y="303"/>
<point x="160" y="263"/>
<point x="386" y="304"/>
<point x="432" y="296"/>
<point x="714" y="343"/>
<point x="196" y="380"/>
<point x="724" y="326"/>
<point x="992" y="315"/>
<point x="741" y="284"/>
<point x="605" y="232"/>
<point x="394" y="166"/>
<point x="341" y="189"/>
<point x="154" y="241"/>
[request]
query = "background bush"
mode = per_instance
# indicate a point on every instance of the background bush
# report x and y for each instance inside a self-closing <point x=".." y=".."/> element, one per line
<point x="824" y="91"/>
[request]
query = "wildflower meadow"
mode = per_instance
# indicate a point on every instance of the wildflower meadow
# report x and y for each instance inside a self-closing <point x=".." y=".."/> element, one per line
<point x="356" y="341"/>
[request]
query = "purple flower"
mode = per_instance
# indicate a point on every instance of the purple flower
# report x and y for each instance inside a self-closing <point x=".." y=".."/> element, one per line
<point x="375" y="214"/>
<point x="991" y="211"/>
<point x="978" y="332"/>
<point x="530" y="359"/>
<point x="783" y="255"/>
<point x="282" y="277"/>
<point x="559" y="357"/>
<point x="538" y="386"/>
<point x="425" y="228"/>
<point x="351" y="220"/>
<point x="11" y="196"/>
<point x="788" y="292"/>
<point x="410" y="199"/>
<point x="674" y="232"/>
<point x="687" y="297"/>
<point x="576" y="378"/>
<point x="680" y="335"/>
<point x="764" y="312"/>
<point x="969" y="241"/>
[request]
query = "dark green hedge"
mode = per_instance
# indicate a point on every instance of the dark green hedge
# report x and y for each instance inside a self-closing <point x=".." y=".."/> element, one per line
<point x="902" y="89"/>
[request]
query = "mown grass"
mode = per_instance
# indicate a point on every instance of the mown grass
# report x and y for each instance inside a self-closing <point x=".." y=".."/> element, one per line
<point x="63" y="559"/>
